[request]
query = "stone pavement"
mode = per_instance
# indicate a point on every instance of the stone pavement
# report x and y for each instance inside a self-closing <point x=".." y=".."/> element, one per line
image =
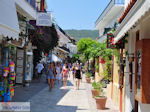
<point x="60" y="99"/>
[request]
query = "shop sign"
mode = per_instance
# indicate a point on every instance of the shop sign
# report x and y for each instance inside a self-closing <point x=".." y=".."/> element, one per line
<point x="43" y="19"/>
<point x="30" y="53"/>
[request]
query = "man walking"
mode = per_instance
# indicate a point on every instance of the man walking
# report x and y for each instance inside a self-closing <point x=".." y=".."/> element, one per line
<point x="39" y="68"/>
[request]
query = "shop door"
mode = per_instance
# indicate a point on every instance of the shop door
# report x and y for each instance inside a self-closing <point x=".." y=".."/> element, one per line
<point x="20" y="66"/>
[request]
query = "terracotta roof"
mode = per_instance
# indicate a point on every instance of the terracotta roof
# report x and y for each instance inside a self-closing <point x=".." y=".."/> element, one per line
<point x="130" y="5"/>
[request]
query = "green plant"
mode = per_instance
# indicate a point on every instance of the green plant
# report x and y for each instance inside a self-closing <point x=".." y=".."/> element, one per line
<point x="96" y="67"/>
<point x="97" y="86"/>
<point x="88" y="74"/>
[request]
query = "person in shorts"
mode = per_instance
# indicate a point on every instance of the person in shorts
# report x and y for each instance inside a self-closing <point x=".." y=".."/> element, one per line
<point x="65" y="72"/>
<point x="78" y="77"/>
<point x="51" y="76"/>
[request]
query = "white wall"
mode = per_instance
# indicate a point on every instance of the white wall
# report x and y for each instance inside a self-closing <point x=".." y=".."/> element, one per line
<point x="129" y="96"/>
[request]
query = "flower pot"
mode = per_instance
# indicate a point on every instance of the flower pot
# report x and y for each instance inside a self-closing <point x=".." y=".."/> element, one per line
<point x="88" y="79"/>
<point x="95" y="92"/>
<point x="101" y="102"/>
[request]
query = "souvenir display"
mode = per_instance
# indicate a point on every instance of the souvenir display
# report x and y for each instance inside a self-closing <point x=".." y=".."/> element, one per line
<point x="7" y="81"/>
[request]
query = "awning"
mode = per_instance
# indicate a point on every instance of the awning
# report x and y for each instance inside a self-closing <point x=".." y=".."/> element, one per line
<point x="9" y="26"/>
<point x="26" y="9"/>
<point x="135" y="14"/>
<point x="56" y="58"/>
<point x="63" y="50"/>
<point x="63" y="39"/>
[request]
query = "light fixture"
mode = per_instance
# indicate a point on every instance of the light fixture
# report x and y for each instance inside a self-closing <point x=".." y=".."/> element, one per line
<point x="131" y="57"/>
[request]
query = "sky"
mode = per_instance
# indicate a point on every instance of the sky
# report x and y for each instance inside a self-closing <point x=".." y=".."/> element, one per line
<point x="76" y="14"/>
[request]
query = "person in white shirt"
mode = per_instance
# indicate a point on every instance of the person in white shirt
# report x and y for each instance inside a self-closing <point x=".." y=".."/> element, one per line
<point x="39" y="68"/>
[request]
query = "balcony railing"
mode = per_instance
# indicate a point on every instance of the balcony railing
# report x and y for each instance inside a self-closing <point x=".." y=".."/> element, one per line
<point x="109" y="6"/>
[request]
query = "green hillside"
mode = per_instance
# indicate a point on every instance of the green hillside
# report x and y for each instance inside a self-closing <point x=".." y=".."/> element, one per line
<point x="77" y="34"/>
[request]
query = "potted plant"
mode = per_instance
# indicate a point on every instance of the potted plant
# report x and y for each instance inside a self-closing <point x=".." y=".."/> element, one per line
<point x="101" y="99"/>
<point x="88" y="77"/>
<point x="96" y="89"/>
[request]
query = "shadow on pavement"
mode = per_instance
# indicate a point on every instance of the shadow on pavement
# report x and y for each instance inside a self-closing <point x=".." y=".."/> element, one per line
<point x="43" y="100"/>
<point x="48" y="101"/>
<point x="23" y="94"/>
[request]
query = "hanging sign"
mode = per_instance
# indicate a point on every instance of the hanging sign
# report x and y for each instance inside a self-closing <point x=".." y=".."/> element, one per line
<point x="43" y="19"/>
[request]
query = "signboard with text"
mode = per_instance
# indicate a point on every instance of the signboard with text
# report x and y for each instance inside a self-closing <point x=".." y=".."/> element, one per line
<point x="43" y="19"/>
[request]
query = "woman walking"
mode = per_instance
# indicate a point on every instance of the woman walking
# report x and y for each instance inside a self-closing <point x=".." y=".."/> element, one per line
<point x="78" y="77"/>
<point x="65" y="72"/>
<point x="58" y="70"/>
<point x="51" y="76"/>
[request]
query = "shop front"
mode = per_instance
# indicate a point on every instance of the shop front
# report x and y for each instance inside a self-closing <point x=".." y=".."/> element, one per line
<point x="136" y="24"/>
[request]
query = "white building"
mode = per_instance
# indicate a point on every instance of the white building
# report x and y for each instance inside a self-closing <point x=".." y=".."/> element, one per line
<point x="109" y="17"/>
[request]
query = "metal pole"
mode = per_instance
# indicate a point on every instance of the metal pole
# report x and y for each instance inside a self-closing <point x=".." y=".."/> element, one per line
<point x="42" y="5"/>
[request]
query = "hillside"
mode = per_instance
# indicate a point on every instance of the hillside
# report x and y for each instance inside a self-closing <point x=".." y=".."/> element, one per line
<point x="77" y="34"/>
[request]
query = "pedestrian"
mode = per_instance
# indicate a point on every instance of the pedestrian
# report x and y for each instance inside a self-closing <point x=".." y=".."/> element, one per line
<point x="78" y="77"/>
<point x="51" y="76"/>
<point x="73" y="72"/>
<point x="65" y="72"/>
<point x="39" y="68"/>
<point x="58" y="70"/>
<point x="54" y="71"/>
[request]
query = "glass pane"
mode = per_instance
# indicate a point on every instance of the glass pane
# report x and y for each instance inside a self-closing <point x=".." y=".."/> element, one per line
<point x="139" y="68"/>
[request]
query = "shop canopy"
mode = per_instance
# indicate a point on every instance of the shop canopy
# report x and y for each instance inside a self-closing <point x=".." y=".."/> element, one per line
<point x="138" y="10"/>
<point x="9" y="26"/>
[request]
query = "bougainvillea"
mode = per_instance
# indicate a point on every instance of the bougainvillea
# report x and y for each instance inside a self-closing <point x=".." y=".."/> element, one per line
<point x="111" y="43"/>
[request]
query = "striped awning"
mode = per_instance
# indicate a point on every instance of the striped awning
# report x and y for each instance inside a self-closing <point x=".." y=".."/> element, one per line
<point x="9" y="26"/>
<point x="140" y="8"/>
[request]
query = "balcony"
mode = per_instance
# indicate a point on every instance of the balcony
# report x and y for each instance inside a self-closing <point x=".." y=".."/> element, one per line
<point x="110" y="13"/>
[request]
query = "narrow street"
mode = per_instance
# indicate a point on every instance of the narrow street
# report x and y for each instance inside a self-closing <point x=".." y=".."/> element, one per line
<point x="103" y="44"/>
<point x="60" y="99"/>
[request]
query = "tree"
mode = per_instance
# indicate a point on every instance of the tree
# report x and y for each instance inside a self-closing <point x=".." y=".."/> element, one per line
<point x="89" y="48"/>
<point x="84" y="46"/>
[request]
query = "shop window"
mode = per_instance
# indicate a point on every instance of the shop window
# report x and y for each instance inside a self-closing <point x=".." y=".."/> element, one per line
<point x="139" y="67"/>
<point x="142" y="71"/>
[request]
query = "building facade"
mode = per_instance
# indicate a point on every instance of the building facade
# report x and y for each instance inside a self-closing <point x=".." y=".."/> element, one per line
<point x="108" y="21"/>
<point x="135" y="21"/>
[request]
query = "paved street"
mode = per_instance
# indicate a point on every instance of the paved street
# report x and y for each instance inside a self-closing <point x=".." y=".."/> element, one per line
<point x="59" y="99"/>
